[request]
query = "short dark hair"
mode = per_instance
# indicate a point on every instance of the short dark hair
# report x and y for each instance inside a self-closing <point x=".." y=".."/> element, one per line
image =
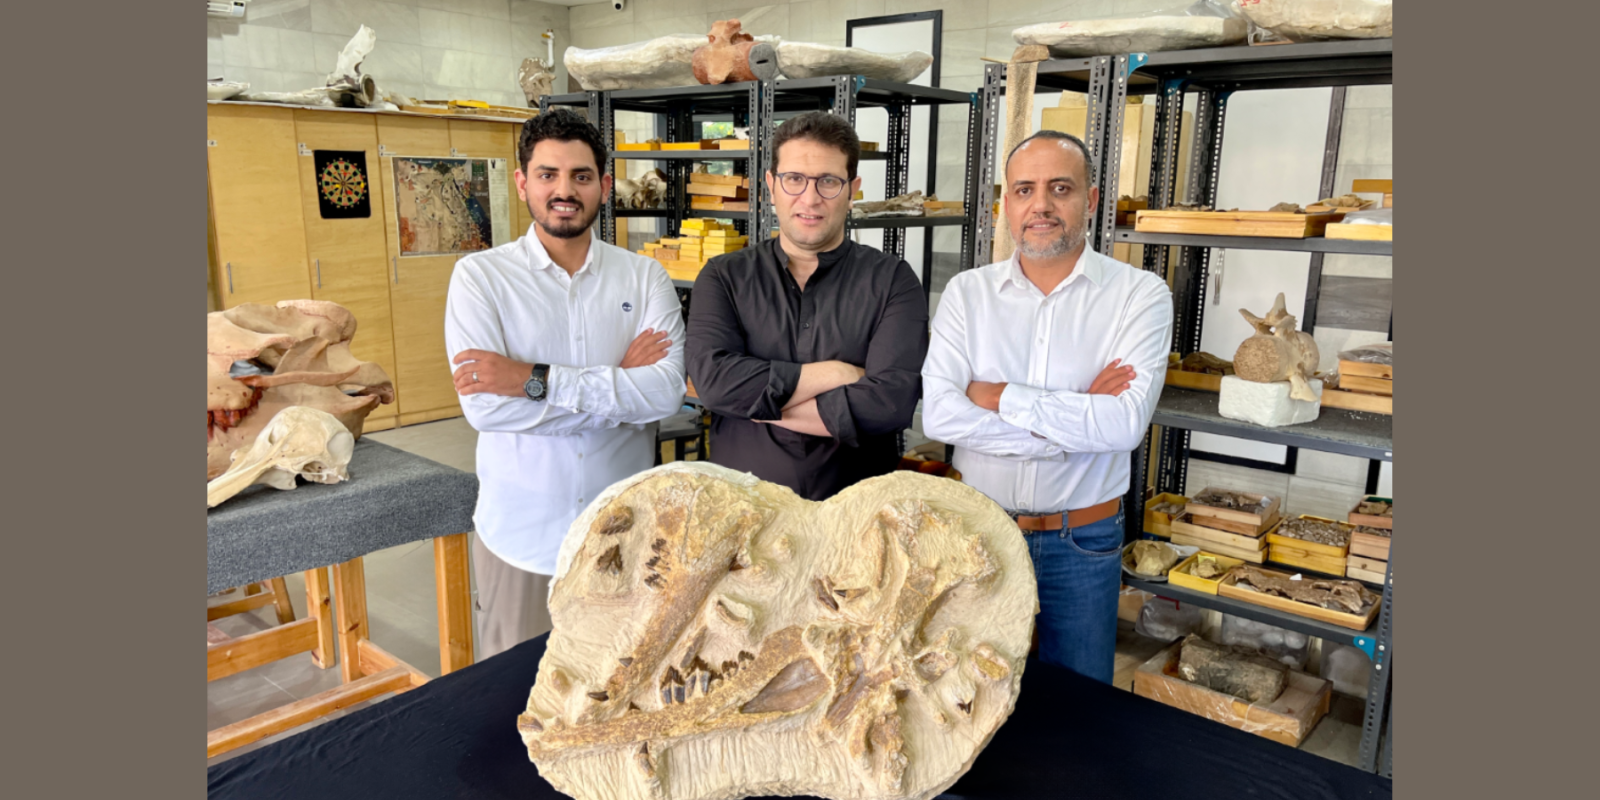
<point x="562" y="125"/>
<point x="1088" y="163"/>
<point x="824" y="128"/>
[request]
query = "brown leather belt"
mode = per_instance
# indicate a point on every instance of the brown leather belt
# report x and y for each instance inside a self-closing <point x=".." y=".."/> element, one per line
<point x="1074" y="519"/>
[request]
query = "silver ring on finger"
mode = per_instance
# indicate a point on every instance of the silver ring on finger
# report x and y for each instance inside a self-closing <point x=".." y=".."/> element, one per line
<point x="474" y="377"/>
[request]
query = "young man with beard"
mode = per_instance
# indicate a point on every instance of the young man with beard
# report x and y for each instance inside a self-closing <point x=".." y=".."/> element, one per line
<point x="566" y="350"/>
<point x="807" y="347"/>
<point x="1044" y="371"/>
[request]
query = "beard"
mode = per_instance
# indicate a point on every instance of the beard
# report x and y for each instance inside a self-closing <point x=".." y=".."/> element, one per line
<point x="1071" y="236"/>
<point x="564" y="230"/>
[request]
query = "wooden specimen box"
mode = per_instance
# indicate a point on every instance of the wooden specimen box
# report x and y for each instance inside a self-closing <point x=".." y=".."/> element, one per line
<point x="1183" y="574"/>
<point x="1272" y="224"/>
<point x="1344" y="619"/>
<point x="1286" y="720"/>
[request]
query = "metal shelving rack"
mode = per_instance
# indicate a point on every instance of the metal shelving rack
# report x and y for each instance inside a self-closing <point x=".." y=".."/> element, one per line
<point x="1214" y="74"/>
<point x="760" y="105"/>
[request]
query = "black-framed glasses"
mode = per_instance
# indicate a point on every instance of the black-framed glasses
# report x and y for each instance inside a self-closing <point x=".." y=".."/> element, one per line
<point x="828" y="186"/>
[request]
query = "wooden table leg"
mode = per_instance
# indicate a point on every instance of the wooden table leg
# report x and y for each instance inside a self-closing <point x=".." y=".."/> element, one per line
<point x="319" y="605"/>
<point x="453" y="582"/>
<point x="280" y="600"/>
<point x="350" y="601"/>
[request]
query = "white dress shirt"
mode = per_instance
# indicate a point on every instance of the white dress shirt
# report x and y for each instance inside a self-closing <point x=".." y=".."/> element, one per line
<point x="1051" y="447"/>
<point x="541" y="463"/>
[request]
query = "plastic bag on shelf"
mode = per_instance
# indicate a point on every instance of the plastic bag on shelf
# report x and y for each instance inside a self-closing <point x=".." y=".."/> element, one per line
<point x="1347" y="668"/>
<point x="1321" y="20"/>
<point x="1370" y="354"/>
<point x="1285" y="646"/>
<point x="1206" y="23"/>
<point x="1165" y="619"/>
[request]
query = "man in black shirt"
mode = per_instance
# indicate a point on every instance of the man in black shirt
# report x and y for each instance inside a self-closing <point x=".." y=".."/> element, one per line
<point x="808" y="347"/>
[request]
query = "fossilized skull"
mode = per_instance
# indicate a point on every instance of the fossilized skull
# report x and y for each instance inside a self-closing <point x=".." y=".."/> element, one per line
<point x="262" y="359"/>
<point x="717" y="637"/>
<point x="652" y="188"/>
<point x="627" y="192"/>
<point x="297" y="441"/>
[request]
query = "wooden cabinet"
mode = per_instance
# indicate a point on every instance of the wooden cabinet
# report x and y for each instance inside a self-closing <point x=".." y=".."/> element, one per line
<point x="347" y="255"/>
<point x="255" y="205"/>
<point x="267" y="240"/>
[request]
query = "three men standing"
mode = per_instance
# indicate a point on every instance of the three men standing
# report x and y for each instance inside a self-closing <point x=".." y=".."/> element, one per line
<point x="1044" y="371"/>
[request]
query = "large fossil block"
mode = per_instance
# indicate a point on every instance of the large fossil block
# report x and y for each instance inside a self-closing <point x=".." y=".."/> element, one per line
<point x="718" y="637"/>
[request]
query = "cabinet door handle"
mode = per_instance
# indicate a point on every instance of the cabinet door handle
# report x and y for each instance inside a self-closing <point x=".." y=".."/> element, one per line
<point x="230" y="277"/>
<point x="396" y="261"/>
<point x="318" y="262"/>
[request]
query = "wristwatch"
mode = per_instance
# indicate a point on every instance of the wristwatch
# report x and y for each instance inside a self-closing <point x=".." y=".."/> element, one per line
<point x="537" y="384"/>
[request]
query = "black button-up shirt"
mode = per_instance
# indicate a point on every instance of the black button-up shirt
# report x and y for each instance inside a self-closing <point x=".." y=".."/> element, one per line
<point x="751" y="327"/>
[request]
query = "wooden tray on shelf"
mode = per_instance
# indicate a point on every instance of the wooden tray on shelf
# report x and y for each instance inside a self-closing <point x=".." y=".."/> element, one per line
<point x="1301" y="559"/>
<point x="1180" y="575"/>
<point x="1357" y="622"/>
<point x="1234" y="521"/>
<point x="1276" y="539"/>
<point x="639" y="146"/>
<point x="1357" y="401"/>
<point x="1370" y="545"/>
<point x="1202" y="381"/>
<point x="1289" y="719"/>
<point x="1360" y="233"/>
<point x="1272" y="224"/>
<point x="1158" y="523"/>
<point x="1361" y="383"/>
<point x="1370" y="520"/>
<point x="1365" y="370"/>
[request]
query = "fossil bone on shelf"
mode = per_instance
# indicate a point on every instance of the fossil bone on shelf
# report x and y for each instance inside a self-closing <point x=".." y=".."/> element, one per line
<point x="718" y="637"/>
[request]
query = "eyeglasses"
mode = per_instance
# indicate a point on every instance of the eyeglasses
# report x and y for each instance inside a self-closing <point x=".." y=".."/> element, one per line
<point x="828" y="186"/>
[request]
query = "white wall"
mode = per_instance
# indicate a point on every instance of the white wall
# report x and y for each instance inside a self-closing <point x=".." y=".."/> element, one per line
<point x="427" y="49"/>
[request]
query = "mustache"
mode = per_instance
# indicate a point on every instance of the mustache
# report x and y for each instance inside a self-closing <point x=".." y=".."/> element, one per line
<point x="551" y="203"/>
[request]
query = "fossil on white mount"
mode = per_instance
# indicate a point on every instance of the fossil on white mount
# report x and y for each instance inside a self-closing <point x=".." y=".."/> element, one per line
<point x="718" y="637"/>
<point x="667" y="62"/>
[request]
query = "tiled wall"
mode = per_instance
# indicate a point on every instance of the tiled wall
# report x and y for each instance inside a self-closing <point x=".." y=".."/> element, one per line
<point x="427" y="49"/>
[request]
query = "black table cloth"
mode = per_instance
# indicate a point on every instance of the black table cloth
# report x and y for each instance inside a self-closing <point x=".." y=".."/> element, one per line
<point x="392" y="498"/>
<point x="1070" y="736"/>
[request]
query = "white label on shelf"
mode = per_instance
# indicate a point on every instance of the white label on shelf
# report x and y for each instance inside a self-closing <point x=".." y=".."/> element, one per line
<point x="211" y="143"/>
<point x="1294" y="577"/>
<point x="305" y="151"/>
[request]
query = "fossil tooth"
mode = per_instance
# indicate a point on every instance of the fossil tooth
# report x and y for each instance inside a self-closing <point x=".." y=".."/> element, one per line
<point x="617" y="522"/>
<point x="744" y="655"/>
<point x="642" y="760"/>
<point x="600" y="696"/>
<point x="659" y="545"/>
<point x="794" y="687"/>
<point x="901" y="694"/>
<point x="672" y="677"/>
<point x="528" y="723"/>
<point x="734" y="565"/>
<point x="653" y="580"/>
<point x="966" y="708"/>
<point x="651" y="564"/>
<point x="826" y="597"/>
<point x="692" y="652"/>
<point x="626" y="662"/>
<point x="632" y="706"/>
<point x="666" y="695"/>
<point x="677" y="693"/>
<point x="611" y="560"/>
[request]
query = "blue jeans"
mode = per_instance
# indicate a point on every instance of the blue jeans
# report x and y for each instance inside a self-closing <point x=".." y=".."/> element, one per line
<point x="1080" y="573"/>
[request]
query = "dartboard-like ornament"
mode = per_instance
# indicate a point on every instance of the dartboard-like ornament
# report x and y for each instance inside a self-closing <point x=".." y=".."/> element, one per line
<point x="342" y="183"/>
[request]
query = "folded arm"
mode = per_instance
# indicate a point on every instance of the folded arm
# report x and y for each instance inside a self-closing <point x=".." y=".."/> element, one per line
<point x="1086" y="422"/>
<point x="885" y="398"/>
<point x="637" y="394"/>
<point x="948" y="414"/>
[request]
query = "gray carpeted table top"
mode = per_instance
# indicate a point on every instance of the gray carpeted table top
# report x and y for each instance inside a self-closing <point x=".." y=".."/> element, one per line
<point x="392" y="498"/>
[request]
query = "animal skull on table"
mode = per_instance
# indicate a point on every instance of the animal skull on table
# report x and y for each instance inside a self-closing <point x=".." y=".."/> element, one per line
<point x="716" y="636"/>
<point x="298" y="441"/>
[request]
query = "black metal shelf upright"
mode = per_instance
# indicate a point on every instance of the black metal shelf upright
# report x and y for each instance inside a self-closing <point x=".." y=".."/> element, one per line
<point x="1213" y="75"/>
<point x="759" y="105"/>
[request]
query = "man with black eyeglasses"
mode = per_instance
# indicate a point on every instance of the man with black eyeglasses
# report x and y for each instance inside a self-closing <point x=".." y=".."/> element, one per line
<point x="808" y="348"/>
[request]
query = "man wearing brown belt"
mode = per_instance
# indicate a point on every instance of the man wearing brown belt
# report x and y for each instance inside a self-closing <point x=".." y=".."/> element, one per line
<point x="1044" y="371"/>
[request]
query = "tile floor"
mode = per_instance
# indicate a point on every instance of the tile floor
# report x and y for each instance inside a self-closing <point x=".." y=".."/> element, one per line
<point x="402" y="614"/>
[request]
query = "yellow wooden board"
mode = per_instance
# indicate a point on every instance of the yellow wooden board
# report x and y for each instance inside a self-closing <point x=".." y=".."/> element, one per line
<point x="1357" y="401"/>
<point x="1364" y="185"/>
<point x="1366" y="370"/>
<point x="254" y="174"/>
<point x="1183" y="574"/>
<point x="1271" y="224"/>
<point x="1361" y="383"/>
<point x="1363" y="233"/>
<point x="1194" y="380"/>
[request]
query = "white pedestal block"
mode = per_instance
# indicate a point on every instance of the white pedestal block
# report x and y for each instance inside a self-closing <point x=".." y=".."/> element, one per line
<point x="1266" y="404"/>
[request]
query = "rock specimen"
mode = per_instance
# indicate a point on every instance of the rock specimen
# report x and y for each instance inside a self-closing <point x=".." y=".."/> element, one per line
<point x="1315" y="20"/>
<point x="1338" y="595"/>
<point x="1278" y="352"/>
<point x="717" y="637"/>
<point x="1233" y="501"/>
<point x="659" y="63"/>
<point x="903" y="205"/>
<point x="733" y="56"/>
<point x="1332" y="534"/>
<point x="1245" y="675"/>
<point x="298" y="441"/>
<point x="1109" y="37"/>
<point x="262" y="359"/>
<point x="1153" y="558"/>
